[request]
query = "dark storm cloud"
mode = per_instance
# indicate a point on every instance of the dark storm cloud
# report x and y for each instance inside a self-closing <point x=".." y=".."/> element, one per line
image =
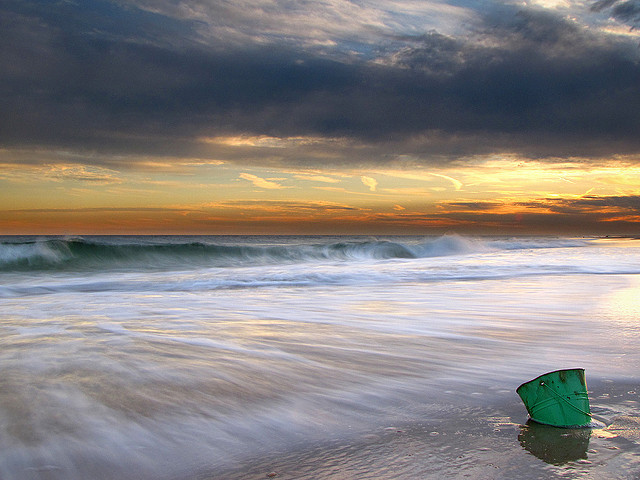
<point x="101" y="76"/>
<point x="627" y="11"/>
<point x="65" y="83"/>
<point x="546" y="80"/>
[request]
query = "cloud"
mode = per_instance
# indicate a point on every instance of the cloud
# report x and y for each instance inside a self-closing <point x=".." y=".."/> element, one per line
<point x="264" y="141"/>
<point x="15" y="172"/>
<point x="84" y="173"/>
<point x="157" y="79"/>
<point x="372" y="183"/>
<point x="423" y="176"/>
<point x="583" y="215"/>
<point x="589" y="204"/>
<point x="261" y="182"/>
<point x="473" y="206"/>
<point x="456" y="183"/>
<point x="326" y="25"/>
<point x="627" y="11"/>
<point x="95" y="210"/>
<point x="317" y="178"/>
<point x="284" y="207"/>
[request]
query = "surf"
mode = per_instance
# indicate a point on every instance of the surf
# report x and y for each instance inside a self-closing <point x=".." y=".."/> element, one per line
<point x="180" y="252"/>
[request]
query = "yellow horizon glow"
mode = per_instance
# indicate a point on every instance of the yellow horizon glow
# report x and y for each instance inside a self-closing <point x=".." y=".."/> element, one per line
<point x="493" y="194"/>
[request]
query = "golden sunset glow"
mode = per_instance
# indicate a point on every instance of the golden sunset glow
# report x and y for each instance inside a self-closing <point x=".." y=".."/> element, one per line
<point x="409" y="119"/>
<point x="221" y="197"/>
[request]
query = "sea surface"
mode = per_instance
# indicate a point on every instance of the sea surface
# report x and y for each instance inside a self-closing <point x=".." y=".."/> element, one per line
<point x="233" y="357"/>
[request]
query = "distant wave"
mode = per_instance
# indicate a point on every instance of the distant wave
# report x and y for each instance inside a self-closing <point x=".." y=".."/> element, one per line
<point x="122" y="253"/>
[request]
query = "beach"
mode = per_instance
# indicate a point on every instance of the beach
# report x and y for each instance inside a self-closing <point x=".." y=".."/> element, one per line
<point x="465" y="441"/>
<point x="313" y="357"/>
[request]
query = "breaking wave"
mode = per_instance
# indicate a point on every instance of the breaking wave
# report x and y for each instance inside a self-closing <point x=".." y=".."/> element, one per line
<point x="141" y="253"/>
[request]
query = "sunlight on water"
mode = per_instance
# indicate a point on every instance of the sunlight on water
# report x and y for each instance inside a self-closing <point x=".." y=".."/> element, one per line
<point x="624" y="304"/>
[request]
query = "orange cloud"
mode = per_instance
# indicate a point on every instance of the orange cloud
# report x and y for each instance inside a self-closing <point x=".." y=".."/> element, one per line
<point x="261" y="182"/>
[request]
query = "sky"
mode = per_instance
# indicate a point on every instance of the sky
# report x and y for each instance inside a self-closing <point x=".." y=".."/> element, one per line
<point x="320" y="117"/>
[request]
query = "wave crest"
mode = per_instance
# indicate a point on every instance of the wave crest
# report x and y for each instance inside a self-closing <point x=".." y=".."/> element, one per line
<point x="178" y="253"/>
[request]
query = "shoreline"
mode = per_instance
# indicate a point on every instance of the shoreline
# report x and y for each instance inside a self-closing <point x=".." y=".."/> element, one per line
<point x="480" y="442"/>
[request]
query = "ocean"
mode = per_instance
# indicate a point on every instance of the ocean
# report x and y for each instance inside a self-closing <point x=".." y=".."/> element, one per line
<point x="334" y="357"/>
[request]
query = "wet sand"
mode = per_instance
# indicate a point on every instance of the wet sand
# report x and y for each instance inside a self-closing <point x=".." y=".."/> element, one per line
<point x="478" y="440"/>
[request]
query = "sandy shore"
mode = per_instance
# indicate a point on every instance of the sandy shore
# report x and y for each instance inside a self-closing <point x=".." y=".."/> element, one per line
<point x="479" y="441"/>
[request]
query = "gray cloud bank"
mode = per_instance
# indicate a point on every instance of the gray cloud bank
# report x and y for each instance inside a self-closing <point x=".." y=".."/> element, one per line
<point x="122" y="78"/>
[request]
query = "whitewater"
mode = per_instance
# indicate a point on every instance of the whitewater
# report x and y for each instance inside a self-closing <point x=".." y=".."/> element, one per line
<point x="206" y="357"/>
